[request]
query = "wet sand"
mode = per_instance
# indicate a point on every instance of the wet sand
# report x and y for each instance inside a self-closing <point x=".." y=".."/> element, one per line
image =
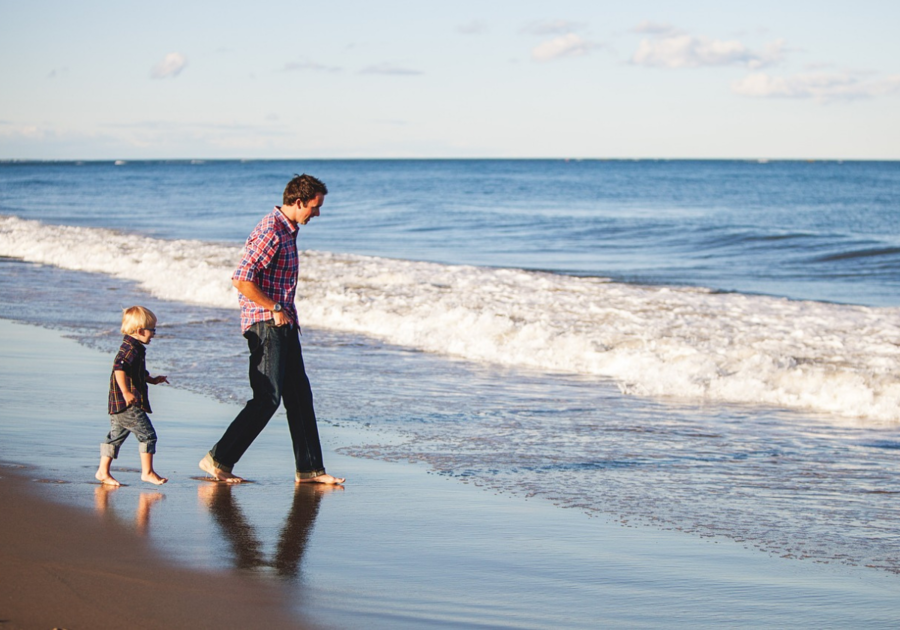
<point x="64" y="568"/>
<point x="396" y="548"/>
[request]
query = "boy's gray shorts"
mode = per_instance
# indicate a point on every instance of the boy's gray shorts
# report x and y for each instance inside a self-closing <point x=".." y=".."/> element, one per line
<point x="132" y="420"/>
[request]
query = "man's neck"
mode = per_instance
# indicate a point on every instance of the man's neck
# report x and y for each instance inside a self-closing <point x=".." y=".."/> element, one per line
<point x="287" y="215"/>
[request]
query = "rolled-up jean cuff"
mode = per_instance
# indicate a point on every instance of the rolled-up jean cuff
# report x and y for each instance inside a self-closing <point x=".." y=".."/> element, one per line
<point x="108" y="450"/>
<point x="147" y="447"/>
<point x="219" y="465"/>
<point x="310" y="475"/>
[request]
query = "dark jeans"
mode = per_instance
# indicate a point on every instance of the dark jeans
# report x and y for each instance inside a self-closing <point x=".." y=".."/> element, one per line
<point x="276" y="374"/>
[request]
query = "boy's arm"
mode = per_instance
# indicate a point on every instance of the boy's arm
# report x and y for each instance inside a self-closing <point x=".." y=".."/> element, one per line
<point x="156" y="380"/>
<point x="122" y="381"/>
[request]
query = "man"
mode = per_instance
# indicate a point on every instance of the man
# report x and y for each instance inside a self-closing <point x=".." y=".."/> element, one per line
<point x="267" y="282"/>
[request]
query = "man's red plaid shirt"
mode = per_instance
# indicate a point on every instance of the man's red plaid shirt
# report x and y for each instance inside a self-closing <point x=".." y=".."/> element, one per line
<point x="270" y="260"/>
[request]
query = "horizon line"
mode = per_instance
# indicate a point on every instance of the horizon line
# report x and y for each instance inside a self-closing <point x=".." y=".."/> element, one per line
<point x="199" y="160"/>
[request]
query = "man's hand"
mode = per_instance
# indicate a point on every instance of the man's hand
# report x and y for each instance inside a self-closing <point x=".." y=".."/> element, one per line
<point x="280" y="318"/>
<point x="251" y="291"/>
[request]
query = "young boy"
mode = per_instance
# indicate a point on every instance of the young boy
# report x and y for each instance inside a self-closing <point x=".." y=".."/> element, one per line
<point x="128" y="400"/>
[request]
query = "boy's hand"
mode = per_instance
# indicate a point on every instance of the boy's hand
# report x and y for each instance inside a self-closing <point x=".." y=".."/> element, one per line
<point x="156" y="380"/>
<point x="129" y="398"/>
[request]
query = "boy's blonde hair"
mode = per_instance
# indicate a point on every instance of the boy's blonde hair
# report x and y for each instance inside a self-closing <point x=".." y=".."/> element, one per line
<point x="136" y="317"/>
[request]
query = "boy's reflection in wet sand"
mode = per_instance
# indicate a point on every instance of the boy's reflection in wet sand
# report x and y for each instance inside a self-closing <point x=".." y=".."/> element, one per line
<point x="239" y="533"/>
<point x="146" y="500"/>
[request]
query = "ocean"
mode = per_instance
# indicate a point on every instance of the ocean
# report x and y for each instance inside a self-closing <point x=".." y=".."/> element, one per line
<point x="704" y="346"/>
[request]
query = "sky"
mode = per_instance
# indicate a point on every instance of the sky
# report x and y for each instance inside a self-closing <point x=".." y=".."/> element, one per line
<point x="786" y="79"/>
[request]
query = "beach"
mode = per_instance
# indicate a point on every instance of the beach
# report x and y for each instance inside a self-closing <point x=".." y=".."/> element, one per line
<point x="397" y="547"/>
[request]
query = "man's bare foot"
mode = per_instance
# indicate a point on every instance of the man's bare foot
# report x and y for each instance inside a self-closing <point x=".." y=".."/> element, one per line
<point x="106" y="479"/>
<point x="152" y="477"/>
<point x="326" y="479"/>
<point x="207" y="466"/>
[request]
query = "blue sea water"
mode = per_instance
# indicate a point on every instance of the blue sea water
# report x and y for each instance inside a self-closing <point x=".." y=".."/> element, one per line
<point x="826" y="231"/>
<point x="708" y="346"/>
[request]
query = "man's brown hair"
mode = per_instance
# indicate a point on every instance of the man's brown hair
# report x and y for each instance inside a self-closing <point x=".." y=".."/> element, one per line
<point x="303" y="188"/>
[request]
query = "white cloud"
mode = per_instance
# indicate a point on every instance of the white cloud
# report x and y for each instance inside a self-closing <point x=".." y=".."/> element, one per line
<point x="821" y="86"/>
<point x="569" y="45"/>
<point x="552" y="27"/>
<point x="387" y="68"/>
<point x="33" y="132"/>
<point x="772" y="54"/>
<point x="672" y="49"/>
<point x="171" y="66"/>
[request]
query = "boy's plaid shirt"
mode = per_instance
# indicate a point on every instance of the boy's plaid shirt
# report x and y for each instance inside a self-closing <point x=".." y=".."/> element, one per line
<point x="270" y="259"/>
<point x="131" y="359"/>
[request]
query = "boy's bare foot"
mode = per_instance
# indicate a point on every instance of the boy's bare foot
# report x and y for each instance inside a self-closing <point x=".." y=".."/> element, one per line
<point x="152" y="477"/>
<point x="206" y="465"/>
<point x="326" y="479"/>
<point x="106" y="479"/>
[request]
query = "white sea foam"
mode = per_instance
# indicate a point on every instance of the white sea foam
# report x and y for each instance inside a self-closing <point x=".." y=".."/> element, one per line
<point x="653" y="341"/>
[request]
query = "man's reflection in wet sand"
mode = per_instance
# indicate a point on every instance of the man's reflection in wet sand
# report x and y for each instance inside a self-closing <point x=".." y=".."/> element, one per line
<point x="246" y="547"/>
<point x="146" y="500"/>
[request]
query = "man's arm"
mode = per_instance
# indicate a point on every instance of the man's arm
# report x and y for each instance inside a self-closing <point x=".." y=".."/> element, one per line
<point x="251" y="291"/>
